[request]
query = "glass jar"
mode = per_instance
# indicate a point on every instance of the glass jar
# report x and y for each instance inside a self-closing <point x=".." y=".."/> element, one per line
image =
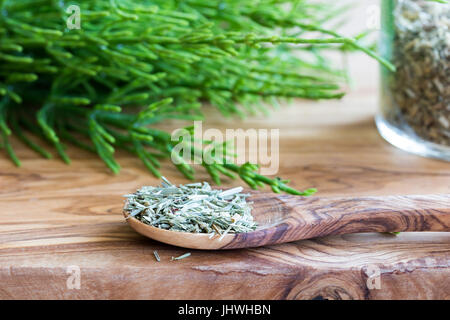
<point x="415" y="100"/>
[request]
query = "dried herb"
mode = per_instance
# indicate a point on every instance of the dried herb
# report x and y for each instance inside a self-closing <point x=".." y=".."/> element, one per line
<point x="194" y="207"/>
<point x="421" y="86"/>
<point x="83" y="86"/>
<point x="182" y="256"/>
<point x="155" y="253"/>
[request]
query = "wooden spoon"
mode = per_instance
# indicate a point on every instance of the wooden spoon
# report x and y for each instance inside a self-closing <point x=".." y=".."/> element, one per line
<point x="285" y="218"/>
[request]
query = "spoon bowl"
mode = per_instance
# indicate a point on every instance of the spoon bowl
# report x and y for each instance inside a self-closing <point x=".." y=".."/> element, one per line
<point x="285" y="218"/>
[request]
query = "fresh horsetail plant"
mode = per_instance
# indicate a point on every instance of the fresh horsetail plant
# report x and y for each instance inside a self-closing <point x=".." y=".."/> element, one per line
<point x="194" y="207"/>
<point x="85" y="86"/>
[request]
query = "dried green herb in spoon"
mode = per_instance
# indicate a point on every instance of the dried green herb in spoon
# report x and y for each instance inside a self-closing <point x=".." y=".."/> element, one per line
<point x="194" y="207"/>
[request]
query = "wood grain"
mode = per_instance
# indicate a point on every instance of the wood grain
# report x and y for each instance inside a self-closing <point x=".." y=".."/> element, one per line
<point x="53" y="216"/>
<point x="306" y="218"/>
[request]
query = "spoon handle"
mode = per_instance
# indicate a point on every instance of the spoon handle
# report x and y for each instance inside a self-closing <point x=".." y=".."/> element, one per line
<point x="313" y="217"/>
<point x="317" y="217"/>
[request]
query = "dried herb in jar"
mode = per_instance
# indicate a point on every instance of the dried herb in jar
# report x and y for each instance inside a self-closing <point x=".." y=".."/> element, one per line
<point x="421" y="53"/>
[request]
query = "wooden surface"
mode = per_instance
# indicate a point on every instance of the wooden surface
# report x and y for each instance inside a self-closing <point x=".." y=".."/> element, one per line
<point x="54" y="217"/>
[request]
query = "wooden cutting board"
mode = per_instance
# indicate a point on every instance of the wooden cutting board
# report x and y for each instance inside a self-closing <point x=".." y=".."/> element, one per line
<point x="59" y="221"/>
